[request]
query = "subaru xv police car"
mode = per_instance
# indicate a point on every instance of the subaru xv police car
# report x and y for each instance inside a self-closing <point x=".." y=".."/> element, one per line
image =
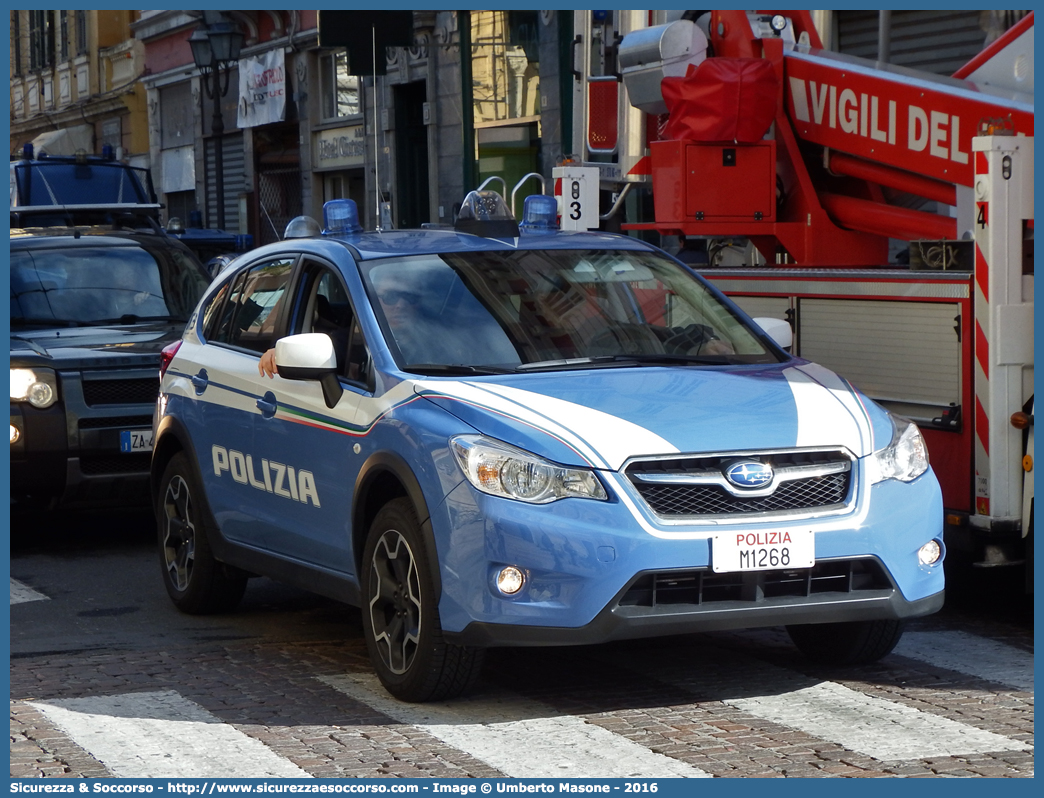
<point x="487" y="436"/>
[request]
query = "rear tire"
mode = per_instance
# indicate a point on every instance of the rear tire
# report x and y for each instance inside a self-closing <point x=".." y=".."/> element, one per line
<point x="196" y="582"/>
<point x="846" y="644"/>
<point x="401" y="616"/>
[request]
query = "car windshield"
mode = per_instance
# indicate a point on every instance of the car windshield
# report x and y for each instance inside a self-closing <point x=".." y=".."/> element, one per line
<point x="550" y="309"/>
<point x="79" y="184"/>
<point x="97" y="284"/>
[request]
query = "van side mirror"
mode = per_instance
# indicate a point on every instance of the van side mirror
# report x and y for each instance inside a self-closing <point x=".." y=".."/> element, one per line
<point x="310" y="356"/>
<point x="778" y="330"/>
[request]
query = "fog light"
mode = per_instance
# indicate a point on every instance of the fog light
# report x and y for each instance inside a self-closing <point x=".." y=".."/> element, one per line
<point x="15" y="434"/>
<point x="510" y="580"/>
<point x="930" y="553"/>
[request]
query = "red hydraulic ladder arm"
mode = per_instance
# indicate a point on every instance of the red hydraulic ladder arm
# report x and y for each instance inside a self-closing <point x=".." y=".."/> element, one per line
<point x="695" y="193"/>
<point x="803" y="228"/>
<point x="894" y="127"/>
<point x="871" y="127"/>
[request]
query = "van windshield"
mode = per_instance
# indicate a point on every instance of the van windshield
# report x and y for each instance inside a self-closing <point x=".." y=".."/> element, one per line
<point x="555" y="308"/>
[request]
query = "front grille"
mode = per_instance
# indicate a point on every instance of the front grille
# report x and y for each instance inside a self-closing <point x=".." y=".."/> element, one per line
<point x="702" y="586"/>
<point x="713" y="500"/>
<point x="115" y="421"/>
<point x="694" y="487"/>
<point x="121" y="392"/>
<point x="117" y="464"/>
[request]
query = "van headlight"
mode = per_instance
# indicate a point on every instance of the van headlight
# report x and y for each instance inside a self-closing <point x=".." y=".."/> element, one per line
<point x="38" y="387"/>
<point x="502" y="470"/>
<point x="905" y="458"/>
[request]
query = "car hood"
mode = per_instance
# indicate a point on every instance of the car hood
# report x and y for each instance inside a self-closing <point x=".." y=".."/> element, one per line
<point x="601" y="418"/>
<point x="70" y="347"/>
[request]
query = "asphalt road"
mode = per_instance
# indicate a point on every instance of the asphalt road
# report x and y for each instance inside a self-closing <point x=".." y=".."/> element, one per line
<point x="102" y="664"/>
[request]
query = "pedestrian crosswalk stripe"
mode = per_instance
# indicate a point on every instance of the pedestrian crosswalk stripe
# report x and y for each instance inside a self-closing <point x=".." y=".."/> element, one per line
<point x="21" y="593"/>
<point x="519" y="737"/>
<point x="972" y="655"/>
<point x="163" y="735"/>
<point x="873" y="726"/>
<point x="877" y="727"/>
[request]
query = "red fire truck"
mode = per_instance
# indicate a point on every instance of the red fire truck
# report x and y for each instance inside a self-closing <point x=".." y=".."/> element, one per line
<point x="748" y="131"/>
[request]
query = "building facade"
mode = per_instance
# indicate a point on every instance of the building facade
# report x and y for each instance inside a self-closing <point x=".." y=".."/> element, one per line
<point x="391" y="141"/>
<point x="75" y="83"/>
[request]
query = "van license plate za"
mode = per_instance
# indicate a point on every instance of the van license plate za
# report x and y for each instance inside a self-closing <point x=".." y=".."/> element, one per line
<point x="762" y="551"/>
<point x="136" y="440"/>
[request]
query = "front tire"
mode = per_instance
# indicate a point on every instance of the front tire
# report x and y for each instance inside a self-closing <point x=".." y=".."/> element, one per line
<point x="196" y="582"/>
<point x="847" y="644"/>
<point x="401" y="617"/>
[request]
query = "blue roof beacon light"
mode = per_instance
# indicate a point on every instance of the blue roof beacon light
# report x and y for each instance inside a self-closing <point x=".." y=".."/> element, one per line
<point x="484" y="213"/>
<point x="341" y="217"/>
<point x="539" y="214"/>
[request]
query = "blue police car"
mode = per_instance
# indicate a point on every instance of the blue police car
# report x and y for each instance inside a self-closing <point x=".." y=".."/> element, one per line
<point x="505" y="435"/>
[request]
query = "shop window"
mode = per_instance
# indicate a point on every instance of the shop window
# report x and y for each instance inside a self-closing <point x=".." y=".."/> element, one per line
<point x="340" y="91"/>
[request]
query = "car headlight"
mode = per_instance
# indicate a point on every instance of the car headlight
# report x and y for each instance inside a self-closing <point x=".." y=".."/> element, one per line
<point x="501" y="470"/>
<point x="905" y="458"/>
<point x="39" y="387"/>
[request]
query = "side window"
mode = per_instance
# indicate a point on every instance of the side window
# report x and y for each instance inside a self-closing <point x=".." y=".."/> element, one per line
<point x="359" y="367"/>
<point x="254" y="306"/>
<point x="212" y="312"/>
<point x="218" y="329"/>
<point x="327" y="309"/>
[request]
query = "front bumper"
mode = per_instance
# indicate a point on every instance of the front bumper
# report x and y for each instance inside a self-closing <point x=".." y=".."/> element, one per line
<point x="621" y="622"/>
<point x="592" y="566"/>
<point x="70" y="462"/>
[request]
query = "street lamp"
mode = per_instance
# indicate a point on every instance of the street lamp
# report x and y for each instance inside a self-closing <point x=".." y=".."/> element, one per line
<point x="214" y="48"/>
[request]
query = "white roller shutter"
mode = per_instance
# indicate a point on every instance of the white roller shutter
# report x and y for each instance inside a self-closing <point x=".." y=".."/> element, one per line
<point x="939" y="41"/>
<point x="904" y="354"/>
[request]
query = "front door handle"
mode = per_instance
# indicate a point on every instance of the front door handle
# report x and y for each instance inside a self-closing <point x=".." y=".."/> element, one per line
<point x="267" y="405"/>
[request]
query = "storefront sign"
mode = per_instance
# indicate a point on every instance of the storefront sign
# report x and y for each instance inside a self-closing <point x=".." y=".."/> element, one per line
<point x="340" y="148"/>
<point x="262" y="89"/>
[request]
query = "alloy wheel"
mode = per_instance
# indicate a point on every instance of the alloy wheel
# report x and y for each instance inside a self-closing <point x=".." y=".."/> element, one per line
<point x="395" y="601"/>
<point x="179" y="534"/>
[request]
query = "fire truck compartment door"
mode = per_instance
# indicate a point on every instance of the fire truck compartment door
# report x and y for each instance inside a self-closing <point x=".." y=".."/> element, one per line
<point x="903" y="354"/>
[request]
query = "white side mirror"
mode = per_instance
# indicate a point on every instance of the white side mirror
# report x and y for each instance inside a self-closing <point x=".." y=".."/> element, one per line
<point x="778" y="330"/>
<point x="306" y="351"/>
<point x="310" y="356"/>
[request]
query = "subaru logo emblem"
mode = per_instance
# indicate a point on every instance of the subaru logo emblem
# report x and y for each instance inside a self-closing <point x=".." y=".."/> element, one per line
<point x="749" y="474"/>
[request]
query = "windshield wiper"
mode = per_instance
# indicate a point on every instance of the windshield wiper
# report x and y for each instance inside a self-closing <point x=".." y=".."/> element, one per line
<point x="624" y="360"/>
<point x="672" y="360"/>
<point x="16" y="320"/>
<point x="130" y="318"/>
<point x="453" y="369"/>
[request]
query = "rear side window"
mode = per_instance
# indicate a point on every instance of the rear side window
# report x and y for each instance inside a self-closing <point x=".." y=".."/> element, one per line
<point x="212" y="311"/>
<point x="251" y="315"/>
